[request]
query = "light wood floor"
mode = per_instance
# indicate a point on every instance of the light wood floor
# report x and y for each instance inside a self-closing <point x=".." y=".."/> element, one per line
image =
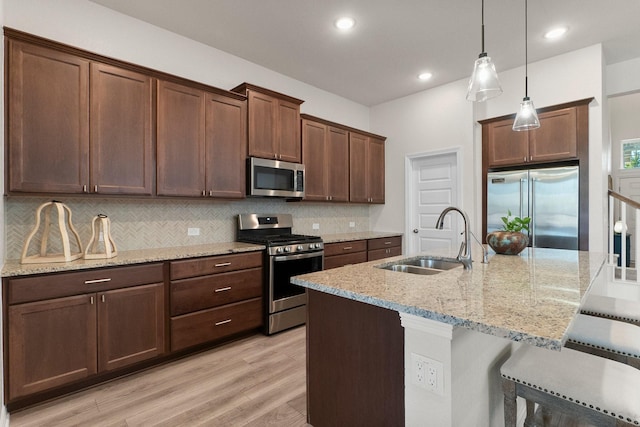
<point x="257" y="381"/>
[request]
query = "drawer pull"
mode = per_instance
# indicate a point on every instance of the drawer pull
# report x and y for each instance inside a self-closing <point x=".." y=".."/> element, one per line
<point x="223" y="322"/>
<point x="346" y="248"/>
<point x="387" y="243"/>
<point x="223" y="264"/>
<point x="228" y="288"/>
<point x="89" y="282"/>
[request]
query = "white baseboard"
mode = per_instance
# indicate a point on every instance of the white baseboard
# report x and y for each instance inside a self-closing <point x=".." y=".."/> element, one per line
<point x="4" y="417"/>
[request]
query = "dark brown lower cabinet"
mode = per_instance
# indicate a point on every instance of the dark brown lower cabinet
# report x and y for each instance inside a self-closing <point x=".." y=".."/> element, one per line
<point x="68" y="327"/>
<point x="355" y="363"/>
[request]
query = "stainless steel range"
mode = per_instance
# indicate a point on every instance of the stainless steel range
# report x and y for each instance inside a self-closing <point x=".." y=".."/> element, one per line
<point x="287" y="255"/>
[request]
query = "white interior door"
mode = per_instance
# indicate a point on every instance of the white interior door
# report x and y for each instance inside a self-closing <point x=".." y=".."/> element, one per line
<point x="432" y="187"/>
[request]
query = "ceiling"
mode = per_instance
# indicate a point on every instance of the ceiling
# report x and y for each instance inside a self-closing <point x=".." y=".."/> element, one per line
<point x="393" y="41"/>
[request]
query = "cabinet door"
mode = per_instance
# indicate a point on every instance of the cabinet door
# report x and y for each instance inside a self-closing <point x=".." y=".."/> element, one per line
<point x="48" y="120"/>
<point x="315" y="160"/>
<point x="262" y="122"/>
<point x="505" y="146"/>
<point x="130" y="325"/>
<point x="121" y="126"/>
<point x="51" y="343"/>
<point x="337" y="163"/>
<point x="226" y="146"/>
<point x="180" y="140"/>
<point x="358" y="191"/>
<point x="375" y="170"/>
<point x="556" y="138"/>
<point x="288" y="132"/>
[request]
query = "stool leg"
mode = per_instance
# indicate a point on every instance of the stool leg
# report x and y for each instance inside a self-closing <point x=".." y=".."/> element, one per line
<point x="531" y="412"/>
<point x="510" y="406"/>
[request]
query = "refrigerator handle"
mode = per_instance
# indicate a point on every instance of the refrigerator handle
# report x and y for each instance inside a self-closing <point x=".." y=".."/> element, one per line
<point x="532" y="231"/>
<point x="523" y="182"/>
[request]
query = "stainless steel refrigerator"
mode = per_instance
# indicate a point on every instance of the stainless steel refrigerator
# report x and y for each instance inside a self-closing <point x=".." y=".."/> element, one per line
<point x="549" y="196"/>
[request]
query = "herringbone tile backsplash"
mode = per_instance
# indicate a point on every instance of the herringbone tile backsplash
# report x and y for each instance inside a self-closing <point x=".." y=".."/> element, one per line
<point x="147" y="224"/>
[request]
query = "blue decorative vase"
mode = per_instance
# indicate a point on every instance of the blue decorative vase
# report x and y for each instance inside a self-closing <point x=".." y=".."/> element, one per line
<point x="507" y="242"/>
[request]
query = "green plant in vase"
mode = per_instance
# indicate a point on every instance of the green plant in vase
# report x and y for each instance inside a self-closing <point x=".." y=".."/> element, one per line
<point x="510" y="240"/>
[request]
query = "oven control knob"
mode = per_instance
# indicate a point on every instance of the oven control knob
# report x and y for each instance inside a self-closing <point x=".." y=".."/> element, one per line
<point x="300" y="247"/>
<point x="279" y="250"/>
<point x="317" y="246"/>
<point x="287" y="249"/>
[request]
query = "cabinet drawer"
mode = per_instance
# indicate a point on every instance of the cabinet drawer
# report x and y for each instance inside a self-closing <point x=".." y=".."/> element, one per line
<point x="198" y="293"/>
<point x="342" y="260"/>
<point x="384" y="253"/>
<point x="331" y="249"/>
<point x="50" y="286"/>
<point x="385" y="242"/>
<point x="215" y="264"/>
<point x="209" y="325"/>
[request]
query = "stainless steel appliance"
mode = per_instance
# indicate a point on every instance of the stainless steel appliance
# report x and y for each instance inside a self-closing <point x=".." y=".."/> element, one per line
<point x="273" y="178"/>
<point x="287" y="255"/>
<point x="549" y="196"/>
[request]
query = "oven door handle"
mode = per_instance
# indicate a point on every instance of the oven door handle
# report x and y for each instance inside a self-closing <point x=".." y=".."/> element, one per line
<point x="298" y="256"/>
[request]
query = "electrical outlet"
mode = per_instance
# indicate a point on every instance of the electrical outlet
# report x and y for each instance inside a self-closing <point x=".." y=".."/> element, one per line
<point x="427" y="373"/>
<point x="352" y="224"/>
<point x="315" y="226"/>
<point x="193" y="231"/>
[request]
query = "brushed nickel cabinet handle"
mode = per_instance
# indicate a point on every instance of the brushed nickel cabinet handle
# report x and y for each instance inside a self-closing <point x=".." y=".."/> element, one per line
<point x="95" y="188"/>
<point x="84" y="188"/>
<point x="346" y="248"/>
<point x="223" y="264"/>
<point x="223" y="322"/>
<point x="228" y="288"/>
<point x="89" y="282"/>
<point x="91" y="300"/>
<point x="387" y="243"/>
<point x="102" y="298"/>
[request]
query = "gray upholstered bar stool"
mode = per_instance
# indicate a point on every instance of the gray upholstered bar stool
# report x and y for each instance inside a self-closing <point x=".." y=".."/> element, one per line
<point x="612" y="308"/>
<point x="600" y="391"/>
<point x="608" y="338"/>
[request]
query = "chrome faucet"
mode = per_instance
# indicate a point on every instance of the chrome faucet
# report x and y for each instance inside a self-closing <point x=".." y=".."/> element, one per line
<point x="464" y="254"/>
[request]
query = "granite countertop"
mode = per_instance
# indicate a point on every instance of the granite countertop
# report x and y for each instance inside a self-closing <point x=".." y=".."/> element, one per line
<point x="363" y="235"/>
<point x="14" y="268"/>
<point x="531" y="298"/>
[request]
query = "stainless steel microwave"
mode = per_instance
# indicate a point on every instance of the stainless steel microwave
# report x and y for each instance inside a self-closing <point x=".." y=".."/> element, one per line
<point x="274" y="178"/>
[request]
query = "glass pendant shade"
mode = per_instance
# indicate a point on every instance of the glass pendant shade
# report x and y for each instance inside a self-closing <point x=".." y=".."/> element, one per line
<point x="527" y="117"/>
<point x="484" y="83"/>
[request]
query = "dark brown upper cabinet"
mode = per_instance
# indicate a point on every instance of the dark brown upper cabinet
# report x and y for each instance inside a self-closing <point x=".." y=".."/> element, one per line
<point x="325" y="154"/>
<point x="555" y="140"/>
<point x="77" y="126"/>
<point x="366" y="169"/>
<point x="273" y="124"/>
<point x="201" y="143"/>
<point x="48" y="120"/>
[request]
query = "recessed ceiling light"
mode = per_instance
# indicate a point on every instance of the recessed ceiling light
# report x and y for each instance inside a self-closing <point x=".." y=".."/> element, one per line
<point x="345" y="23"/>
<point x="425" y="76"/>
<point x="555" y="33"/>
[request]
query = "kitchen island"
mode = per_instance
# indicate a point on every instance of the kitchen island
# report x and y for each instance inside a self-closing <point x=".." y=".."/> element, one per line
<point x="367" y="326"/>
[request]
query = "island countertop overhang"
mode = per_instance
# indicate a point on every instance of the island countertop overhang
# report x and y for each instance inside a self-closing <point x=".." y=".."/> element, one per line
<point x="530" y="298"/>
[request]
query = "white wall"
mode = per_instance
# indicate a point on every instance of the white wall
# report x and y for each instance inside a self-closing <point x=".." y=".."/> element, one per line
<point x="89" y="26"/>
<point x="623" y="77"/>
<point x="441" y="117"/>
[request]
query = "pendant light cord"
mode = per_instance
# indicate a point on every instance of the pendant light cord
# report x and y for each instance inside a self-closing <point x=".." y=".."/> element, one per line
<point x="526" y="56"/>
<point x="482" y="26"/>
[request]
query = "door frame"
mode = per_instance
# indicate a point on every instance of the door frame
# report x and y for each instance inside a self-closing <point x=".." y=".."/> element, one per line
<point x="409" y="187"/>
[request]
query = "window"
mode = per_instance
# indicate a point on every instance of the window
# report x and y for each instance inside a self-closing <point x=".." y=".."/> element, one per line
<point x="631" y="153"/>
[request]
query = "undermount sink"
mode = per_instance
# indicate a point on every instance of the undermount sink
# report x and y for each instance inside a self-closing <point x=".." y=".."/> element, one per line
<point x="425" y="265"/>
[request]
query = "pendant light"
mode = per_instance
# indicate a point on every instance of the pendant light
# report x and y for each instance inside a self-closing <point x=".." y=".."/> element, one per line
<point x="527" y="118"/>
<point x="484" y="83"/>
